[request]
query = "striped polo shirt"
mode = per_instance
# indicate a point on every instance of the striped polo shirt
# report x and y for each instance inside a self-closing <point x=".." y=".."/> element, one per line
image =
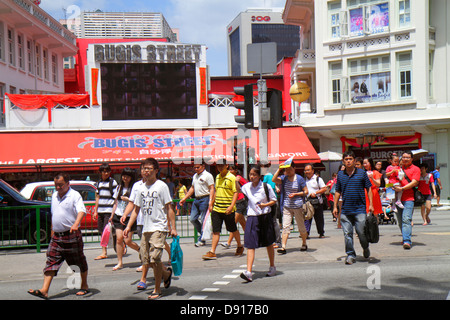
<point x="225" y="190"/>
<point x="352" y="191"/>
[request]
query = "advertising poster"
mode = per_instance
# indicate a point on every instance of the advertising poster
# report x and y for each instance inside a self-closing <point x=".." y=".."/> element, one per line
<point x="370" y="88"/>
<point x="356" y="22"/>
<point x="379" y="18"/>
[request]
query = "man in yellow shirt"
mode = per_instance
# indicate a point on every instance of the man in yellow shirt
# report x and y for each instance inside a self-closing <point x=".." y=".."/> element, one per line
<point x="222" y="208"/>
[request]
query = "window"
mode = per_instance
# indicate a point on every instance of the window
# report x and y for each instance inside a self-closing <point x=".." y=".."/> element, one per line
<point x="370" y="79"/>
<point x="54" y="68"/>
<point x="11" y="48"/>
<point x="335" y="19"/>
<point x="431" y="75"/>
<point x="45" y="60"/>
<point x="30" y="57"/>
<point x="20" y="54"/>
<point x="2" y="54"/>
<point x="336" y="74"/>
<point x="405" y="69"/>
<point x="367" y="18"/>
<point x="404" y="13"/>
<point x="38" y="60"/>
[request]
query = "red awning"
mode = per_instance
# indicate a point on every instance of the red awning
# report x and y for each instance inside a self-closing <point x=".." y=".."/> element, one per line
<point x="36" y="101"/>
<point x="59" y="149"/>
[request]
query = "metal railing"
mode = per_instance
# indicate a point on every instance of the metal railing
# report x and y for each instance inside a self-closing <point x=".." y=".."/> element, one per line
<point x="19" y="225"/>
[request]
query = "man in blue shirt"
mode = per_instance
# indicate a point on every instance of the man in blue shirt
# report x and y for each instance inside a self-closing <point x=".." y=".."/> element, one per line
<point x="350" y="184"/>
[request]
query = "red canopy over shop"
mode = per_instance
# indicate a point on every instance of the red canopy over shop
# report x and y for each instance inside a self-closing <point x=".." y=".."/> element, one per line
<point x="47" y="150"/>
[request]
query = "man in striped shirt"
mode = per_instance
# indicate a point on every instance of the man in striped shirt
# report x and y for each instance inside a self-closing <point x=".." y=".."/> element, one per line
<point x="104" y="201"/>
<point x="222" y="208"/>
<point x="350" y="184"/>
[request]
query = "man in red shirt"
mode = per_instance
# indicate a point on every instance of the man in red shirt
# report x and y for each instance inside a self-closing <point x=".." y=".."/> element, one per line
<point x="407" y="184"/>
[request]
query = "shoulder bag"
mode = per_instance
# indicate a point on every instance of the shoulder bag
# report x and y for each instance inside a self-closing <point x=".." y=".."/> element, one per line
<point x="419" y="198"/>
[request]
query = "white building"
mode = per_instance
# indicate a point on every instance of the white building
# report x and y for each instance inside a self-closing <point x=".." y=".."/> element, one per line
<point x="32" y="48"/>
<point x="257" y="26"/>
<point x="375" y="67"/>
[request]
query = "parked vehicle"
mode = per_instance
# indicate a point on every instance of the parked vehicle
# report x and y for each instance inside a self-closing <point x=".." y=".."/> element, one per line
<point x="20" y="223"/>
<point x="44" y="190"/>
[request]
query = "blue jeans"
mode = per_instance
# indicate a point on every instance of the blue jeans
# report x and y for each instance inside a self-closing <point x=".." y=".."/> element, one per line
<point x="348" y="222"/>
<point x="404" y="218"/>
<point x="198" y="210"/>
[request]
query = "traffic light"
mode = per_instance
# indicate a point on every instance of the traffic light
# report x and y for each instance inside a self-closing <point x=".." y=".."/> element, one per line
<point x="275" y="104"/>
<point x="251" y="155"/>
<point x="246" y="105"/>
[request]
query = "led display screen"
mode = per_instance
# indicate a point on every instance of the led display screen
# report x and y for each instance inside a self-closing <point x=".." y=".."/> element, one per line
<point x="146" y="91"/>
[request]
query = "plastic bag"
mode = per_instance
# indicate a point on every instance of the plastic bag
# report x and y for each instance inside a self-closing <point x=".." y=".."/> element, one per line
<point x="207" y="227"/>
<point x="176" y="256"/>
<point x="106" y="235"/>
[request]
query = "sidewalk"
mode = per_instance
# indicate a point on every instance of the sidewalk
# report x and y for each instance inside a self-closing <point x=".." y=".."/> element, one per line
<point x="21" y="265"/>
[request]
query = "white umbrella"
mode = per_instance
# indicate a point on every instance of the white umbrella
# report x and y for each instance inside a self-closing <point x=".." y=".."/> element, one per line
<point x="330" y="156"/>
<point x="417" y="154"/>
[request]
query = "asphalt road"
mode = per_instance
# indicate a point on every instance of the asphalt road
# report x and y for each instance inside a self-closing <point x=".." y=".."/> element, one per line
<point x="391" y="273"/>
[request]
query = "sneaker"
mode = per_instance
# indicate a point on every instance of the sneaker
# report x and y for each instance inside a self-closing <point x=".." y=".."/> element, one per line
<point x="247" y="276"/>
<point x="350" y="260"/>
<point x="239" y="251"/>
<point x="399" y="204"/>
<point x="200" y="244"/>
<point x="366" y="253"/>
<point x="406" y="246"/>
<point x="225" y="245"/>
<point x="272" y="272"/>
<point x="209" y="256"/>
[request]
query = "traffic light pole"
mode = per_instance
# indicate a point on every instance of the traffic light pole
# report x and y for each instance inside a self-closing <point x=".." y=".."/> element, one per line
<point x="264" y="117"/>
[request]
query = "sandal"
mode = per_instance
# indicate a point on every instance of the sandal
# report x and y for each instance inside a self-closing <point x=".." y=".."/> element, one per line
<point x="281" y="251"/>
<point x="101" y="257"/>
<point x="154" y="296"/>
<point x="304" y="247"/>
<point x="37" y="293"/>
<point x="169" y="279"/>
<point x="82" y="292"/>
<point x="141" y="285"/>
<point x="117" y="267"/>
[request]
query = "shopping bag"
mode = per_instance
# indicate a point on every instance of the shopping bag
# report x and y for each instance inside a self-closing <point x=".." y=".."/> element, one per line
<point x="371" y="229"/>
<point x="176" y="256"/>
<point x="207" y="227"/>
<point x="106" y="235"/>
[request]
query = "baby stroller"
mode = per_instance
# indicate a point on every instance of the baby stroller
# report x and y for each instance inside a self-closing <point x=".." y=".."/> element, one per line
<point x="388" y="210"/>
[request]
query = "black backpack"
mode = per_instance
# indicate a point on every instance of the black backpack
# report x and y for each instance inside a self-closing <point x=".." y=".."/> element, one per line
<point x="371" y="229"/>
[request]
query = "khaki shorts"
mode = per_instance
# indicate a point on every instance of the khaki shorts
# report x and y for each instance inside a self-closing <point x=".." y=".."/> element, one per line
<point x="152" y="246"/>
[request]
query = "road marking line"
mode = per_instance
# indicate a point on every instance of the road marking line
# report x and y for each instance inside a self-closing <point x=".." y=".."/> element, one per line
<point x="211" y="289"/>
<point x="448" y="296"/>
<point x="230" y="276"/>
<point x="238" y="271"/>
<point x="221" y="283"/>
<point x="198" y="297"/>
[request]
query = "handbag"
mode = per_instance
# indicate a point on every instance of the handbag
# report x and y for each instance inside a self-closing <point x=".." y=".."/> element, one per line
<point x="308" y="210"/>
<point x="419" y="198"/>
<point x="371" y="230"/>
<point x="176" y="256"/>
<point x="207" y="227"/>
<point x="106" y="235"/>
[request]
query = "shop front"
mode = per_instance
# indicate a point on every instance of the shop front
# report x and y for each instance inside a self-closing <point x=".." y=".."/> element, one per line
<point x="38" y="156"/>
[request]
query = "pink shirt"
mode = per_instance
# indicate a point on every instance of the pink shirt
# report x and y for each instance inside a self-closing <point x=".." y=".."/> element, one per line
<point x="393" y="178"/>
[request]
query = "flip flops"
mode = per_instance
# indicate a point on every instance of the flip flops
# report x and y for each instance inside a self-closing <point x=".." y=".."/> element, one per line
<point x="154" y="296"/>
<point x="169" y="279"/>
<point x="37" y="293"/>
<point x="82" y="292"/>
<point x="141" y="285"/>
